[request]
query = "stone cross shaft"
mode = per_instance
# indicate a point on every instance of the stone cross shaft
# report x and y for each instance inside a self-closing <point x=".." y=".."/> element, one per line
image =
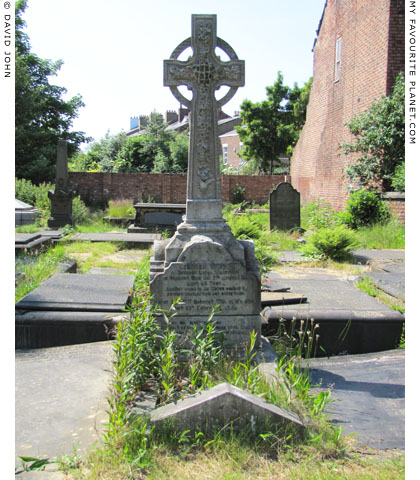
<point x="204" y="73"/>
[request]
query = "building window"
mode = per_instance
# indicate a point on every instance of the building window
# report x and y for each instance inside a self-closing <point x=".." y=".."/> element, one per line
<point x="337" y="59"/>
<point x="225" y="154"/>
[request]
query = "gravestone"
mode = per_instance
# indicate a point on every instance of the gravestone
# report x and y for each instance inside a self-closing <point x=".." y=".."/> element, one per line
<point x="214" y="409"/>
<point x="203" y="263"/>
<point x="62" y="197"/>
<point x="284" y="207"/>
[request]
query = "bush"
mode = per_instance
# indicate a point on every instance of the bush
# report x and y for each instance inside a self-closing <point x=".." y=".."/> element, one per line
<point x="317" y="215"/>
<point x="334" y="243"/>
<point x="238" y="194"/>
<point x="367" y="208"/>
<point x="244" y="228"/>
<point x="80" y="210"/>
<point x="398" y="178"/>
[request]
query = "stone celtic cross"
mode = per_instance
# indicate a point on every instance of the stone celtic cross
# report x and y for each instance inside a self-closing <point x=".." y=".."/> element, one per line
<point x="204" y="73"/>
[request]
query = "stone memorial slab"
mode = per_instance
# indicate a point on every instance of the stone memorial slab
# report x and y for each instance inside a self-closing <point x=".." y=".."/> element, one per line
<point x="78" y="292"/>
<point x="223" y="405"/>
<point x="24" y="214"/>
<point x="284" y="207"/>
<point x="25" y="238"/>
<point x="203" y="263"/>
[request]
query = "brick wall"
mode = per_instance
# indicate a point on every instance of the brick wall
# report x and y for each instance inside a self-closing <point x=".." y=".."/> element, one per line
<point x="396" y="201"/>
<point x="98" y="188"/>
<point x="371" y="54"/>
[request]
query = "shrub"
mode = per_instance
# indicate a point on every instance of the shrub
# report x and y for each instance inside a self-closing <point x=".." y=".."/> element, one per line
<point x="80" y="211"/>
<point x="398" y="178"/>
<point x="333" y="243"/>
<point x="317" y="215"/>
<point x="244" y="228"/>
<point x="238" y="194"/>
<point x="366" y="208"/>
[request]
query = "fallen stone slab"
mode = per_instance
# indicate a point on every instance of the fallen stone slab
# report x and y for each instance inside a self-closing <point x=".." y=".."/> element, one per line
<point x="78" y="292"/>
<point x="223" y="405"/>
<point x="369" y="391"/>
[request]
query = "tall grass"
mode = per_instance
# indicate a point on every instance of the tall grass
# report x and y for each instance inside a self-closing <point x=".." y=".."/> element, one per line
<point x="33" y="268"/>
<point x="121" y="208"/>
<point x="390" y="235"/>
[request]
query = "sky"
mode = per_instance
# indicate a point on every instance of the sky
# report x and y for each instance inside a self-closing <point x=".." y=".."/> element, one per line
<point x="113" y="52"/>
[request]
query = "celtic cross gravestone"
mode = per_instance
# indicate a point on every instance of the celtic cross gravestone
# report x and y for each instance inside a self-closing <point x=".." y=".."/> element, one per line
<point x="203" y="264"/>
<point x="203" y="74"/>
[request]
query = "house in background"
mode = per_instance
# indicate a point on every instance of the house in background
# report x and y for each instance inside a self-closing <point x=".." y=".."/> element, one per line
<point x="180" y="121"/>
<point x="358" y="52"/>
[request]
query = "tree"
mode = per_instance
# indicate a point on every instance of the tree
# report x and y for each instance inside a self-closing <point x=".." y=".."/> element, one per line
<point x="101" y="155"/>
<point x="379" y="139"/>
<point x="42" y="117"/>
<point x="271" y="128"/>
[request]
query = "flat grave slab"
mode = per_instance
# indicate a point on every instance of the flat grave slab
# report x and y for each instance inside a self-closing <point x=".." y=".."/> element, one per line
<point x="60" y="399"/>
<point x="146" y="238"/>
<point x="76" y="292"/>
<point x="370" y="394"/>
<point x="25" y="238"/>
<point x="350" y="320"/>
<point x="281" y="298"/>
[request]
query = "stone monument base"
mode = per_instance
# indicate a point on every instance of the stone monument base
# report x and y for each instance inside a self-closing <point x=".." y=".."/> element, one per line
<point x="59" y="221"/>
<point x="203" y="271"/>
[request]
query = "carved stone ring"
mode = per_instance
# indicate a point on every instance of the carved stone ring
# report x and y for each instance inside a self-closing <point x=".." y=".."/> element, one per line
<point x="223" y="46"/>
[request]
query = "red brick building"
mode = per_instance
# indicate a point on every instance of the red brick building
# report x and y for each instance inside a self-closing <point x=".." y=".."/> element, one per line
<point x="358" y="52"/>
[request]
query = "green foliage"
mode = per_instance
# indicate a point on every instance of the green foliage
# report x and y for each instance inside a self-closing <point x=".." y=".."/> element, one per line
<point x="80" y="211"/>
<point x="398" y="178"/>
<point x="271" y="128"/>
<point x="317" y="215"/>
<point x="121" y="208"/>
<point x="37" y="195"/>
<point x="367" y="208"/>
<point x="42" y="116"/>
<point x="34" y="267"/>
<point x="101" y="155"/>
<point x="238" y="194"/>
<point x="243" y="227"/>
<point x="334" y="243"/>
<point x="380" y="140"/>
<point x="389" y="235"/>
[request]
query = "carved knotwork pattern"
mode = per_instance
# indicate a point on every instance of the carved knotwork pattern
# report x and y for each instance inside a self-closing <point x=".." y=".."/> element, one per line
<point x="203" y="74"/>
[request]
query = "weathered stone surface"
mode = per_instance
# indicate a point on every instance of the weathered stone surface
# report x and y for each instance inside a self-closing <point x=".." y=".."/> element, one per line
<point x="222" y="405"/>
<point x="79" y="292"/>
<point x="62" y="197"/>
<point x="24" y="214"/>
<point x="284" y="207"/>
<point x="203" y="263"/>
